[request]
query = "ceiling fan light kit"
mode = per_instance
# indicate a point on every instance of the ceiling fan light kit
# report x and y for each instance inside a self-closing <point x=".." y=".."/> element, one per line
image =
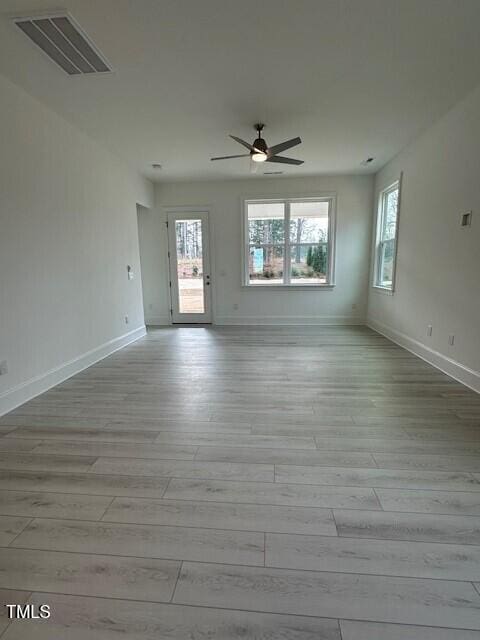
<point x="259" y="151"/>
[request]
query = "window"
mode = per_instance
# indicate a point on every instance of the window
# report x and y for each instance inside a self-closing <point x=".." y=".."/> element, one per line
<point x="289" y="242"/>
<point x="386" y="237"/>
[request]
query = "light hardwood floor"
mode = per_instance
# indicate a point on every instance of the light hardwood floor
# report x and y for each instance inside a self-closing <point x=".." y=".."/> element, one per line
<point x="300" y="483"/>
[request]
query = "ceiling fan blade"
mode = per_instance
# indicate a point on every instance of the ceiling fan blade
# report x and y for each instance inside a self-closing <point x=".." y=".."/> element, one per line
<point x="283" y="146"/>
<point x="282" y="160"/>
<point x="242" y="155"/>
<point x="245" y="144"/>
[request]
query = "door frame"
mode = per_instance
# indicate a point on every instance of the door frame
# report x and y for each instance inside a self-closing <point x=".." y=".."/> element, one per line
<point x="191" y="211"/>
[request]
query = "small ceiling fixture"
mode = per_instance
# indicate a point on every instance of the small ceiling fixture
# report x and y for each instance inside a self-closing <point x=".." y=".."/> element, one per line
<point x="60" y="37"/>
<point x="261" y="152"/>
<point x="156" y="165"/>
<point x="368" y="160"/>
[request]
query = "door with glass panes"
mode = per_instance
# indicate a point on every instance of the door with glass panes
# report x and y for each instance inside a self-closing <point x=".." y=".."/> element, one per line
<point x="190" y="281"/>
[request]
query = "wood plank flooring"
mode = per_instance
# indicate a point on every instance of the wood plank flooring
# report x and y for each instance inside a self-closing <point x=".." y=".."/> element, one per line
<point x="274" y="483"/>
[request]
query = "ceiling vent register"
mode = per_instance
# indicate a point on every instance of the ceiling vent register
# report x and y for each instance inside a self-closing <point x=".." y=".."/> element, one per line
<point x="64" y="42"/>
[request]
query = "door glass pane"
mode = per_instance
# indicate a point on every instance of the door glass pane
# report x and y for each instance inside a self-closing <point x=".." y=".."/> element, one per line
<point x="266" y="223"/>
<point x="266" y="264"/>
<point x="309" y="222"/>
<point x="188" y="235"/>
<point x="308" y="264"/>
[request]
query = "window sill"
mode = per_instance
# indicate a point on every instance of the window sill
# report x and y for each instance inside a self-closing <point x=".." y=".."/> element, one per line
<point x="262" y="287"/>
<point x="384" y="290"/>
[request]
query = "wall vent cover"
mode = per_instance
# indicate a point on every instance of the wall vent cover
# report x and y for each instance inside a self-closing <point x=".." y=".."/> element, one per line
<point x="64" y="41"/>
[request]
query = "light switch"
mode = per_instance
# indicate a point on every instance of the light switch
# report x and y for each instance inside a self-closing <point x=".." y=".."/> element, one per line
<point x="129" y="272"/>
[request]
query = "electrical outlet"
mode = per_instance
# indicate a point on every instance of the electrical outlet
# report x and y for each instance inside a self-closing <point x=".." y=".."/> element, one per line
<point x="429" y="330"/>
<point x="3" y="367"/>
<point x="235" y="306"/>
<point x="126" y="320"/>
<point x="451" y="340"/>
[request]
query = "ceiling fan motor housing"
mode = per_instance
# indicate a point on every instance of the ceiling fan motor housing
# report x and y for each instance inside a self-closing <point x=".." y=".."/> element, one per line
<point x="260" y="145"/>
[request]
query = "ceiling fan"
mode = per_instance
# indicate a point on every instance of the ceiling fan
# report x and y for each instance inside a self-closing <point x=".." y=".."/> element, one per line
<point x="261" y="152"/>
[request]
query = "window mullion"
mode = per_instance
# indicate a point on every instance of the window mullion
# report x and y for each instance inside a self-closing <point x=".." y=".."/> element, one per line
<point x="287" y="257"/>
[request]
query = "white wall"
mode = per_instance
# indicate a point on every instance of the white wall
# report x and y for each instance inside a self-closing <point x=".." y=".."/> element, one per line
<point x="354" y="205"/>
<point x="154" y="267"/>
<point x="68" y="229"/>
<point x="438" y="262"/>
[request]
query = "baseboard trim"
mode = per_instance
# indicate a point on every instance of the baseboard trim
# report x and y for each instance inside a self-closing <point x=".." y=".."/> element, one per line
<point x="157" y="321"/>
<point x="469" y="377"/>
<point x="289" y="320"/>
<point x="25" y="391"/>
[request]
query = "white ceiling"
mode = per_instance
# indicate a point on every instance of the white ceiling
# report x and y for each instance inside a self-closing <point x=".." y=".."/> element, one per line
<point x="352" y="78"/>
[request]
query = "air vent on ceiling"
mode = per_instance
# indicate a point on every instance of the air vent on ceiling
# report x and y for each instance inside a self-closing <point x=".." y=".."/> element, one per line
<point x="64" y="42"/>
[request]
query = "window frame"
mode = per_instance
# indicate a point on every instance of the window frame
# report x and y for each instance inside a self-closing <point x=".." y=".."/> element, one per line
<point x="287" y="244"/>
<point x="380" y="243"/>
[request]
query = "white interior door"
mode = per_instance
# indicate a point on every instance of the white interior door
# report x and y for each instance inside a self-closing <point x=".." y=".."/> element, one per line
<point x="190" y="281"/>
